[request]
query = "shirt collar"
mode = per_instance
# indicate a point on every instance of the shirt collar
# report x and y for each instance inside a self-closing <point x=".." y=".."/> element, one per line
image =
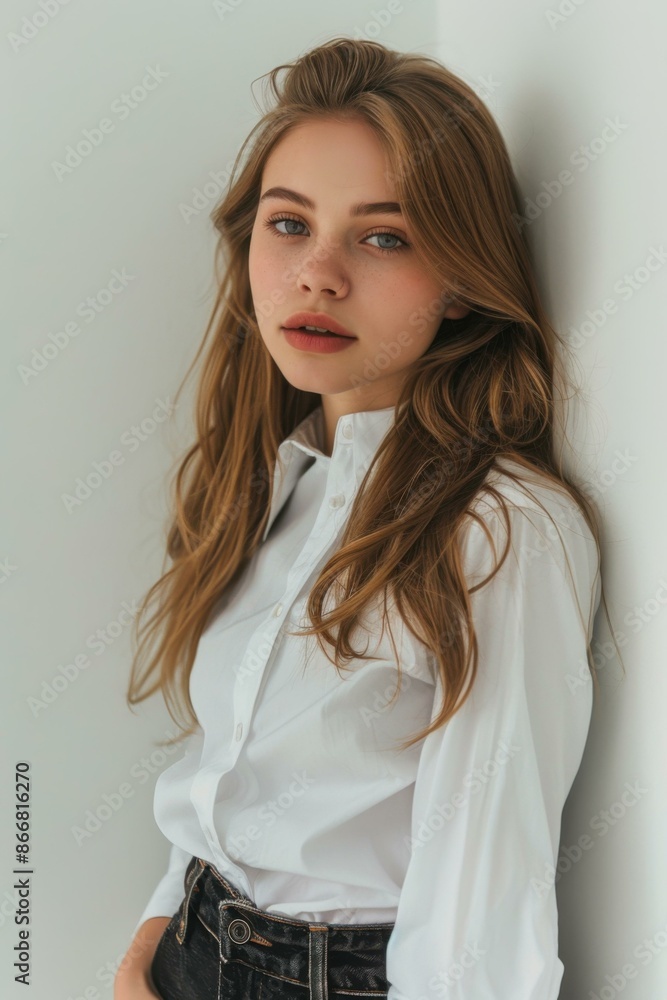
<point x="362" y="432"/>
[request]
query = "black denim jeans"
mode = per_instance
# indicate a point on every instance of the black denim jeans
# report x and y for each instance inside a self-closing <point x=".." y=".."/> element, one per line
<point x="220" y="946"/>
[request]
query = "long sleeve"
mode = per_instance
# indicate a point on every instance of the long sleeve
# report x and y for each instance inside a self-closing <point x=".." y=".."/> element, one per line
<point x="168" y="893"/>
<point x="477" y="916"/>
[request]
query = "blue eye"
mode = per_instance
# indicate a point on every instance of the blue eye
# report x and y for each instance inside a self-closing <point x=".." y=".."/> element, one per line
<point x="279" y="233"/>
<point x="391" y="236"/>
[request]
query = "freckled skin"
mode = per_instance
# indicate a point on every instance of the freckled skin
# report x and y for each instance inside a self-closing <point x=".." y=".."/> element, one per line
<point x="330" y="261"/>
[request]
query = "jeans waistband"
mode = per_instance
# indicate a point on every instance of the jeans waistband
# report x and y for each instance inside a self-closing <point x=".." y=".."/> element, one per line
<point x="348" y="956"/>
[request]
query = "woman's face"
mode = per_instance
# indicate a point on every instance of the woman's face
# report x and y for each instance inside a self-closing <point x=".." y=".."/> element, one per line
<point x="356" y="267"/>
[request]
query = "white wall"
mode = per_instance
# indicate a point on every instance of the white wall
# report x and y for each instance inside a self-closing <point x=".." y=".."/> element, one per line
<point x="67" y="573"/>
<point x="557" y="73"/>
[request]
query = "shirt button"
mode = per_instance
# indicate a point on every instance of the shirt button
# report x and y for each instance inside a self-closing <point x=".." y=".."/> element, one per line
<point x="337" y="500"/>
<point x="347" y="431"/>
<point x="239" y="731"/>
<point x="277" y="610"/>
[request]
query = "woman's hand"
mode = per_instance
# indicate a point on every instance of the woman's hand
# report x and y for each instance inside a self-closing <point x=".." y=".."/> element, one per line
<point x="134" y="990"/>
<point x="133" y="979"/>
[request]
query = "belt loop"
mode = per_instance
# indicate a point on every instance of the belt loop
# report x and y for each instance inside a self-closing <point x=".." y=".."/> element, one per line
<point x="317" y="962"/>
<point x="197" y="870"/>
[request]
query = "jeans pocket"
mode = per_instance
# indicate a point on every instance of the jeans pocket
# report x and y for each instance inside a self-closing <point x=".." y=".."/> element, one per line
<point x="188" y="971"/>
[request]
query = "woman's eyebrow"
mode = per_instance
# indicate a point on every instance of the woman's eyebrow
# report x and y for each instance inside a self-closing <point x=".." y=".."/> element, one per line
<point x="363" y="208"/>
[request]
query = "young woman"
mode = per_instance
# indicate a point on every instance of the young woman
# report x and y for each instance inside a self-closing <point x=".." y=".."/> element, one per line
<point x="382" y="583"/>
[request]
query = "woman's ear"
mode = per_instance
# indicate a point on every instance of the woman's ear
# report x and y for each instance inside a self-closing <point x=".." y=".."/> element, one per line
<point x="456" y="311"/>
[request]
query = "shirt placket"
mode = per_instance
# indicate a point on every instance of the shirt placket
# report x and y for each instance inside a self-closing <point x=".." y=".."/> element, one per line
<point x="342" y="480"/>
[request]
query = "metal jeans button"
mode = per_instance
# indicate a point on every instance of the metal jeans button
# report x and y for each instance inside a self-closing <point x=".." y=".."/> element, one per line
<point x="239" y="931"/>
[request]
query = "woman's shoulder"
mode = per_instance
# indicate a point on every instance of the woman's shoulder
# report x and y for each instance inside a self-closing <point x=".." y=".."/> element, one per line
<point x="529" y="504"/>
<point x="526" y="490"/>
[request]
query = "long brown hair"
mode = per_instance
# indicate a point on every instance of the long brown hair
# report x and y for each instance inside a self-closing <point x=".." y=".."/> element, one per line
<point x="483" y="390"/>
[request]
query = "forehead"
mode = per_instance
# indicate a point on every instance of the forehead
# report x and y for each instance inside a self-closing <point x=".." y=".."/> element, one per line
<point x="331" y="157"/>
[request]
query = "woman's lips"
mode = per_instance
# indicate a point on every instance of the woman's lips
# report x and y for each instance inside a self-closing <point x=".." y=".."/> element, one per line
<point x="320" y="343"/>
<point x="320" y="319"/>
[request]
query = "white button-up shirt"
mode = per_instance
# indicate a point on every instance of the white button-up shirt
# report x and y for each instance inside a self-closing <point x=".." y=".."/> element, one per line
<point x="291" y="786"/>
